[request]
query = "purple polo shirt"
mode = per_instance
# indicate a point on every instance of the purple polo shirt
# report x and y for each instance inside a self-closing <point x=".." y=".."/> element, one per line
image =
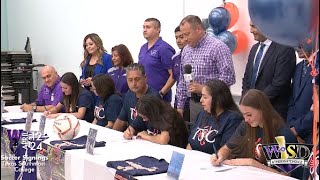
<point x="176" y="65"/>
<point x="50" y="96"/>
<point x="157" y="61"/>
<point x="119" y="78"/>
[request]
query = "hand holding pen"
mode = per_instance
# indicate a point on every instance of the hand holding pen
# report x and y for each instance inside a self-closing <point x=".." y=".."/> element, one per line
<point x="128" y="134"/>
<point x="215" y="159"/>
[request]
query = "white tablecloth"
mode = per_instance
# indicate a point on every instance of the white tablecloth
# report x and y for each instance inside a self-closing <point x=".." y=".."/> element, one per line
<point x="82" y="166"/>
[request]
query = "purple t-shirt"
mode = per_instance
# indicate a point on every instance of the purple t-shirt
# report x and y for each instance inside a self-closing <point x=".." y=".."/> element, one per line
<point x="50" y="96"/>
<point x="119" y="78"/>
<point x="176" y="67"/>
<point x="157" y="61"/>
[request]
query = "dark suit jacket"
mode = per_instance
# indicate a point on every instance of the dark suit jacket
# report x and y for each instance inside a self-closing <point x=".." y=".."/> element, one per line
<point x="299" y="115"/>
<point x="274" y="77"/>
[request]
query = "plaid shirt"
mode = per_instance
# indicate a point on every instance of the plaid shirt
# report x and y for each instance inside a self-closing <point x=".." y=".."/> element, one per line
<point x="210" y="59"/>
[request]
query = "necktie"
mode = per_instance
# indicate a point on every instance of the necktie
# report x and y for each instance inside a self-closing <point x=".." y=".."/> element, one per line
<point x="256" y="65"/>
<point x="304" y="70"/>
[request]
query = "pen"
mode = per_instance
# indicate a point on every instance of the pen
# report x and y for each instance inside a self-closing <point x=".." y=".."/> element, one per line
<point x="130" y="131"/>
<point x="215" y="150"/>
<point x="45" y="108"/>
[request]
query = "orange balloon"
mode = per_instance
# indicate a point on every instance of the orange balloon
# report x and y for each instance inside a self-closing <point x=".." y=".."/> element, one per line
<point x="241" y="40"/>
<point x="233" y="11"/>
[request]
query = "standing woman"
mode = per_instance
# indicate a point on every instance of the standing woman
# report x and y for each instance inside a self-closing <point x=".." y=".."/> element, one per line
<point x="76" y="99"/>
<point x="121" y="58"/>
<point x="96" y="60"/>
<point x="165" y="124"/>
<point x="218" y="120"/>
<point x="110" y="103"/>
<point x="262" y="124"/>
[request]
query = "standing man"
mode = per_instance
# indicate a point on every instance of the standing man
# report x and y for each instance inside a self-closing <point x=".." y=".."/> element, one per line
<point x="270" y="68"/>
<point x="128" y="117"/>
<point x="209" y="58"/>
<point x="50" y="94"/>
<point x="176" y="69"/>
<point x="156" y="56"/>
<point x="300" y="118"/>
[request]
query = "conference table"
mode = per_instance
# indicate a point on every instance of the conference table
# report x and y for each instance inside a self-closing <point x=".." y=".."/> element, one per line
<point x="80" y="165"/>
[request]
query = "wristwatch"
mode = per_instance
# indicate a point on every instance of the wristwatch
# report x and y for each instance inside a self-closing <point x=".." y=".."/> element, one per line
<point x="34" y="108"/>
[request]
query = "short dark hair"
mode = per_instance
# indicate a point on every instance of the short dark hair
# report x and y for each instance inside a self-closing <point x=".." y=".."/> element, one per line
<point x="177" y="29"/>
<point x="193" y="20"/>
<point x="136" y="66"/>
<point x="157" y="23"/>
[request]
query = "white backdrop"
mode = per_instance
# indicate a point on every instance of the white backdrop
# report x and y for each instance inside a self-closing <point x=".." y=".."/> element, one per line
<point x="57" y="28"/>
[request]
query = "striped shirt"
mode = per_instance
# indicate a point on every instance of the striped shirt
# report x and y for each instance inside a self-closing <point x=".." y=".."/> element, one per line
<point x="210" y="59"/>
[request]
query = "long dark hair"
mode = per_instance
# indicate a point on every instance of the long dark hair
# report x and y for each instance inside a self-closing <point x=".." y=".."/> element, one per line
<point x="221" y="97"/>
<point x="272" y="122"/>
<point x="164" y="118"/>
<point x="71" y="100"/>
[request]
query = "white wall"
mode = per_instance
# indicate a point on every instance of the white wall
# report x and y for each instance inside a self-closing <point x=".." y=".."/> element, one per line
<point x="57" y="28"/>
<point x="4" y="26"/>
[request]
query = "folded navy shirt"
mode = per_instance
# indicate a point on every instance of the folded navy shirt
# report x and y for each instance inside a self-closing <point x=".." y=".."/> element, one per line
<point x="143" y="165"/>
<point x="15" y="121"/>
<point x="78" y="143"/>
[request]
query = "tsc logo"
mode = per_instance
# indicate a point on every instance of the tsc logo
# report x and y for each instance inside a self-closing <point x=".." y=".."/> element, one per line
<point x="99" y="112"/>
<point x="133" y="113"/>
<point x="286" y="157"/>
<point x="14" y="138"/>
<point x="205" y="134"/>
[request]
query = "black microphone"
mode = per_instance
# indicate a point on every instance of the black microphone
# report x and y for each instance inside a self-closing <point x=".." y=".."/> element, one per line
<point x="188" y="73"/>
<point x="189" y="78"/>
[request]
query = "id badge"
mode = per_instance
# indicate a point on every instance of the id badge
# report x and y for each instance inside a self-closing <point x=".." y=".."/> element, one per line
<point x="52" y="97"/>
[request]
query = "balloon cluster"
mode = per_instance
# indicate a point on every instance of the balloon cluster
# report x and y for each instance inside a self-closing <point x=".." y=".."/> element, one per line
<point x="293" y="23"/>
<point x="220" y="20"/>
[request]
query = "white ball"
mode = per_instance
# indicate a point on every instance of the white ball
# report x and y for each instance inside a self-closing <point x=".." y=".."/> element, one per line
<point x="66" y="126"/>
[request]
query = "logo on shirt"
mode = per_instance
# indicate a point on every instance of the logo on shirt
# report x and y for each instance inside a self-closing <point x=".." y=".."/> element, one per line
<point x="99" y="112"/>
<point x="133" y="113"/>
<point x="154" y="132"/>
<point x="258" y="149"/>
<point x="314" y="165"/>
<point x="46" y="91"/>
<point x="203" y="135"/>
<point x="287" y="157"/>
<point x="154" y="52"/>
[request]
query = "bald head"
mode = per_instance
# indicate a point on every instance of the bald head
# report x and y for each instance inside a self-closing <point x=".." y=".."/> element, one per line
<point x="49" y="76"/>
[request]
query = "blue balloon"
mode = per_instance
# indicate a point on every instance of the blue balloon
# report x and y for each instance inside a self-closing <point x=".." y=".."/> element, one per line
<point x="210" y="32"/>
<point x="287" y="22"/>
<point x="219" y="19"/>
<point x="205" y="23"/>
<point x="229" y="39"/>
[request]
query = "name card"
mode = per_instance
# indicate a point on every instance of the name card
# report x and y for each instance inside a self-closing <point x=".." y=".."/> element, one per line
<point x="175" y="165"/>
<point x="29" y="121"/>
<point x="91" y="141"/>
<point x="42" y="124"/>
